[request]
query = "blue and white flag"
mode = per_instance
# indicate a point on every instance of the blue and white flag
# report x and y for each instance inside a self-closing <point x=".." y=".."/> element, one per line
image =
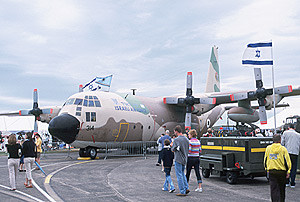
<point x="97" y="83"/>
<point x="258" y="54"/>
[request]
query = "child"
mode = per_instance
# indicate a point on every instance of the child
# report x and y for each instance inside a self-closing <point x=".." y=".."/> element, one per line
<point x="167" y="157"/>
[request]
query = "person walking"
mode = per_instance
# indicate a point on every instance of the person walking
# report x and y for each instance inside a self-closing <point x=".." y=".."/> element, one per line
<point x="291" y="140"/>
<point x="159" y="148"/>
<point x="167" y="157"/>
<point x="278" y="165"/>
<point x="194" y="158"/>
<point x="38" y="144"/>
<point x="13" y="160"/>
<point x="29" y="157"/>
<point x="162" y="139"/>
<point x="180" y="147"/>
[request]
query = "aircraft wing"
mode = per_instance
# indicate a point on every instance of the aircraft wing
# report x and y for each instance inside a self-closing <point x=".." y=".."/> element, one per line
<point x="47" y="113"/>
<point x="296" y="91"/>
<point x="16" y="113"/>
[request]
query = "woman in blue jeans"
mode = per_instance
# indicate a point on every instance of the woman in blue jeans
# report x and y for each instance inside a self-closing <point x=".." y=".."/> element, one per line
<point x="194" y="158"/>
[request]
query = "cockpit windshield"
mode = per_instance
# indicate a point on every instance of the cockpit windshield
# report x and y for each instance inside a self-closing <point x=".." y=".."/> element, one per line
<point x="88" y="101"/>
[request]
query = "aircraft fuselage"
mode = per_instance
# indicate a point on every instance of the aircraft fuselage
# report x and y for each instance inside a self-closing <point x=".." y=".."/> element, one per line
<point x="109" y="117"/>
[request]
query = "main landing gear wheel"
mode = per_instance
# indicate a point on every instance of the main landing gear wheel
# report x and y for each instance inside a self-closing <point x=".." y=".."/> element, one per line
<point x="231" y="177"/>
<point x="83" y="152"/>
<point x="205" y="173"/>
<point x="92" y="152"/>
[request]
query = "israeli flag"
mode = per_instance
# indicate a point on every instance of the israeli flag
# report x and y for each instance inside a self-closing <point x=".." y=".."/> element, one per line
<point x="97" y="83"/>
<point x="258" y="54"/>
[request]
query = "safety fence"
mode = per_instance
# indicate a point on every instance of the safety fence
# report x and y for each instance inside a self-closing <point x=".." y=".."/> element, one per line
<point x="129" y="149"/>
<point x="109" y="149"/>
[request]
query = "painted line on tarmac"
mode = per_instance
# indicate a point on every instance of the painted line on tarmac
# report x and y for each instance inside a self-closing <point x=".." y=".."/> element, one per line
<point x="22" y="193"/>
<point x="42" y="191"/>
<point x="114" y="189"/>
<point x="48" y="179"/>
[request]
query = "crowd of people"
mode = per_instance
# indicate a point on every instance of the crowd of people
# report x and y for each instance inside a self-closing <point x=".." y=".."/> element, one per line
<point x="186" y="156"/>
<point x="280" y="160"/>
<point x="23" y="152"/>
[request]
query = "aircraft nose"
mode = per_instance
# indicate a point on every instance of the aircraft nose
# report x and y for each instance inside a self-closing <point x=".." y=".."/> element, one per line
<point x="65" y="127"/>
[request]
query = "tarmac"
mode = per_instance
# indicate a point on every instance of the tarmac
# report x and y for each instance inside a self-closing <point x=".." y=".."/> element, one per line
<point x="124" y="179"/>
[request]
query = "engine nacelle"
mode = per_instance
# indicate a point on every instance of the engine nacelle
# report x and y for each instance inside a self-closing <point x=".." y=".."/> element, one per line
<point x="243" y="115"/>
<point x="48" y="117"/>
<point x="269" y="101"/>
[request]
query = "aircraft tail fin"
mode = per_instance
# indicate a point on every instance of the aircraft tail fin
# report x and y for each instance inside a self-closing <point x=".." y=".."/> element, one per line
<point x="213" y="76"/>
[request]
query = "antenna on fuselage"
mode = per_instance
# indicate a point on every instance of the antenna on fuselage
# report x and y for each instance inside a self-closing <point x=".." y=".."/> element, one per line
<point x="133" y="91"/>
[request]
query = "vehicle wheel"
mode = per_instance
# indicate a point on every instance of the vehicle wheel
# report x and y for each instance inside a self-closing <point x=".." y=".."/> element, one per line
<point x="82" y="152"/>
<point x="206" y="173"/>
<point x="92" y="152"/>
<point x="231" y="177"/>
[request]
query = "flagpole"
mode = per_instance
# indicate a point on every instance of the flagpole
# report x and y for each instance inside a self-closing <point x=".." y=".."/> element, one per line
<point x="274" y="104"/>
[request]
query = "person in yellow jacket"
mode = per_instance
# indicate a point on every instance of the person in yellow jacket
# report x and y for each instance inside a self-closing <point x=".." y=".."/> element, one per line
<point x="278" y="165"/>
<point x="38" y="143"/>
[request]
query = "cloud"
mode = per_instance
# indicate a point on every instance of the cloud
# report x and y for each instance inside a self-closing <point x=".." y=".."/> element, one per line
<point x="58" y="14"/>
<point x="259" y="20"/>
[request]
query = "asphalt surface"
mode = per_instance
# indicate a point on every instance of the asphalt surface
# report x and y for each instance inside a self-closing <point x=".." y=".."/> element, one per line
<point x="123" y="179"/>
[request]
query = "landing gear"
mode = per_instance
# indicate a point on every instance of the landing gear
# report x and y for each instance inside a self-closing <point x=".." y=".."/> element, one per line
<point x="88" y="152"/>
<point x="92" y="152"/>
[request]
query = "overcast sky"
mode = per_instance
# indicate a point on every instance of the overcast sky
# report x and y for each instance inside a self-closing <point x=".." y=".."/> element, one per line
<point x="149" y="45"/>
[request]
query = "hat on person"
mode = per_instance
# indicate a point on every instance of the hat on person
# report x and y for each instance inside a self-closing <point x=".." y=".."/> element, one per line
<point x="167" y="131"/>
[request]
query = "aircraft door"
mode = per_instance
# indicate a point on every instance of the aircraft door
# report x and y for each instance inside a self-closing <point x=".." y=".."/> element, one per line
<point x="123" y="132"/>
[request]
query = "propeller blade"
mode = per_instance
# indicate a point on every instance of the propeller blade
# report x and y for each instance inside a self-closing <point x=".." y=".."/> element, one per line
<point x="36" y="126"/>
<point x="47" y="111"/>
<point x="283" y="89"/>
<point x="24" y="112"/>
<point x="188" y="121"/>
<point x="189" y="81"/>
<point x="262" y="115"/>
<point x="258" y="77"/>
<point x="35" y="99"/>
<point x="238" y="96"/>
<point x="207" y="100"/>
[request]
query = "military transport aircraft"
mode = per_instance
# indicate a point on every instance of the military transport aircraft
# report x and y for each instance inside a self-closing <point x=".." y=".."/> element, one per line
<point x="90" y="119"/>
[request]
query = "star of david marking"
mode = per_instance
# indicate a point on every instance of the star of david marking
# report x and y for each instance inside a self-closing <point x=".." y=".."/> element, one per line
<point x="257" y="53"/>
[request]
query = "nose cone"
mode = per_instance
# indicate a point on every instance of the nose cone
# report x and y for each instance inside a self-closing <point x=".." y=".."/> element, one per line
<point x="65" y="127"/>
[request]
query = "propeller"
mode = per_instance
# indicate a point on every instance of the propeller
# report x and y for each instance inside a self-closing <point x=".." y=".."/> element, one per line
<point x="35" y="111"/>
<point x="260" y="94"/>
<point x="189" y="101"/>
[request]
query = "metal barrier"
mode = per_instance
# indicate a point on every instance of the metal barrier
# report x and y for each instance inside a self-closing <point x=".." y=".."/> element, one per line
<point x="112" y="149"/>
<point x="129" y="149"/>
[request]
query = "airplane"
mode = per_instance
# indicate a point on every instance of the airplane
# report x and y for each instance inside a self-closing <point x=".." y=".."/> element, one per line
<point x="90" y="119"/>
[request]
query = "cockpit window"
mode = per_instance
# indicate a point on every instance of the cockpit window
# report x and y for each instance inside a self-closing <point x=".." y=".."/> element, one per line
<point x="97" y="103"/>
<point x="70" y="101"/>
<point x="78" y="102"/>
<point x="88" y="116"/>
<point x="91" y="103"/>
<point x="93" y="116"/>
<point x="85" y="103"/>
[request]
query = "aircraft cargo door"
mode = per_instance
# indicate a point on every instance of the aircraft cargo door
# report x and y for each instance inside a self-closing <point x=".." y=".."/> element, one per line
<point x="123" y="132"/>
